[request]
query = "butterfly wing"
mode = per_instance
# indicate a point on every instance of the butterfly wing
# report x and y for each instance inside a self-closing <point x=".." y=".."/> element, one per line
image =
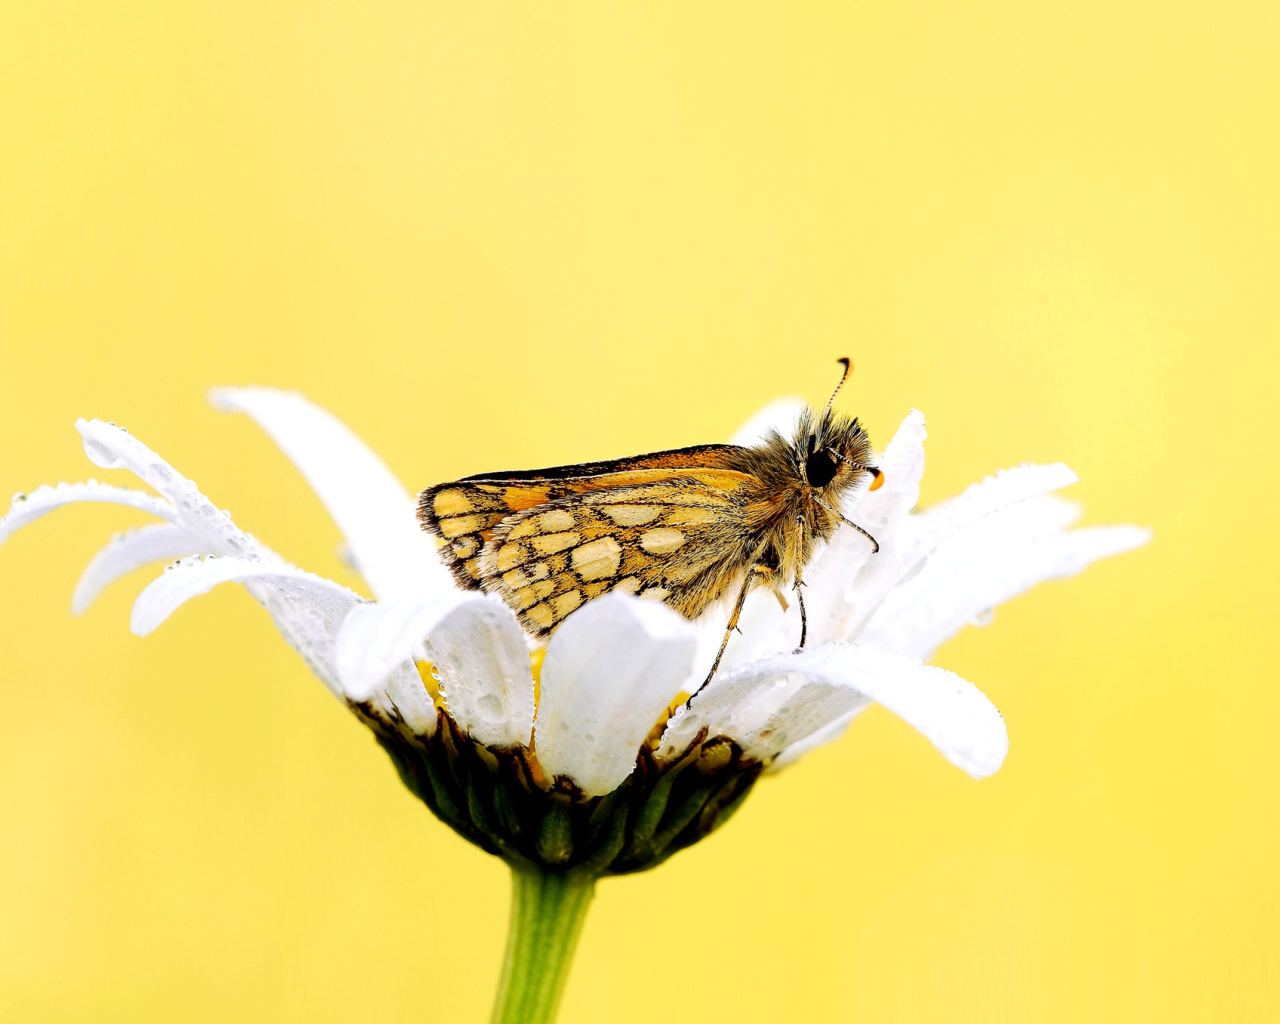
<point x="464" y="513"/>
<point x="677" y="535"/>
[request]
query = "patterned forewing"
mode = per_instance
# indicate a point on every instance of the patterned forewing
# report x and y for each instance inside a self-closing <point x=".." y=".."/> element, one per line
<point x="677" y="539"/>
<point x="465" y="514"/>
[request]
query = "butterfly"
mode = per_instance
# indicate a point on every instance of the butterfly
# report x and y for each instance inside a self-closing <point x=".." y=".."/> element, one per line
<point x="685" y="526"/>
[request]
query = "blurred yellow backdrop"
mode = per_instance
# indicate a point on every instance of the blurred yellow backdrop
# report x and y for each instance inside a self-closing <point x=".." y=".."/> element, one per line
<point x="513" y="235"/>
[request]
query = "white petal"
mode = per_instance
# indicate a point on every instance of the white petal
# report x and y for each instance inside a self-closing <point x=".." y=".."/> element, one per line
<point x="796" y="695"/>
<point x="483" y="660"/>
<point x="476" y="646"/>
<point x="827" y="734"/>
<point x="918" y="536"/>
<point x="987" y="564"/>
<point x="405" y="694"/>
<point x="371" y="508"/>
<point x="1007" y="487"/>
<point x="125" y="552"/>
<point x="307" y="609"/>
<point x="30" y="507"/>
<point x="763" y="707"/>
<point x="611" y="670"/>
<point x="375" y="638"/>
<point x="112" y="447"/>
<point x="781" y="415"/>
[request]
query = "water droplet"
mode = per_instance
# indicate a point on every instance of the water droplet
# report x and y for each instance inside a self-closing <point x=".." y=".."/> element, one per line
<point x="983" y="618"/>
<point x="100" y="455"/>
<point x="19" y="497"/>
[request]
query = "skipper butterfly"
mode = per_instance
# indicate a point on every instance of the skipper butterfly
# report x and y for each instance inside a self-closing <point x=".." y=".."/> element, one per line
<point x="684" y="527"/>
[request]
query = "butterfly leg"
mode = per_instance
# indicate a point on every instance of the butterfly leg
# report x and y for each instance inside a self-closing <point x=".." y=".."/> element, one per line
<point x="733" y="620"/>
<point x="804" y="619"/>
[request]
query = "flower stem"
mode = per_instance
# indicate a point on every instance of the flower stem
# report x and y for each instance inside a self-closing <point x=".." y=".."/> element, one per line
<point x="547" y="912"/>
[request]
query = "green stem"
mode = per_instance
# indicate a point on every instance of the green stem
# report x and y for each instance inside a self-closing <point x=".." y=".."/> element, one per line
<point x="547" y="911"/>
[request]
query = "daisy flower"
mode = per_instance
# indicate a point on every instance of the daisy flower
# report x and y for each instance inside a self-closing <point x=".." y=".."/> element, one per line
<point x="587" y="757"/>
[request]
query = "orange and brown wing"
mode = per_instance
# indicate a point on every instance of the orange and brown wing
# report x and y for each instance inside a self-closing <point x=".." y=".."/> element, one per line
<point x="464" y="513"/>
<point x="677" y="536"/>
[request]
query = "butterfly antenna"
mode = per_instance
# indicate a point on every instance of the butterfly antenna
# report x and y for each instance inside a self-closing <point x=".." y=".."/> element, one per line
<point x="848" y="369"/>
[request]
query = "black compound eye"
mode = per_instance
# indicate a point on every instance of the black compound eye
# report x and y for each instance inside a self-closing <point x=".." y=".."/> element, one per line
<point x="820" y="468"/>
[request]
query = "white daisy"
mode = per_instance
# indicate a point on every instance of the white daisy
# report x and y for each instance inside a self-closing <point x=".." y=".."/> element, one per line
<point x="598" y="772"/>
<point x="600" y="767"/>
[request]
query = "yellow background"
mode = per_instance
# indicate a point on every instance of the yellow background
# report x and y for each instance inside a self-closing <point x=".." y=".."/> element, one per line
<point x="504" y="236"/>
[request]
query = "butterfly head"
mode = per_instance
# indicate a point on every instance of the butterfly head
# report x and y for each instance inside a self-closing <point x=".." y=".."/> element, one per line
<point x="833" y="451"/>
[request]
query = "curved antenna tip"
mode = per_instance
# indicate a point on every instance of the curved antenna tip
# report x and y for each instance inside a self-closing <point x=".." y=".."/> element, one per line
<point x="847" y="363"/>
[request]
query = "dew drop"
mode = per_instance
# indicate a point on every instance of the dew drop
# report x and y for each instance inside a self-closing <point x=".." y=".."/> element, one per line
<point x="984" y="617"/>
<point x="100" y="455"/>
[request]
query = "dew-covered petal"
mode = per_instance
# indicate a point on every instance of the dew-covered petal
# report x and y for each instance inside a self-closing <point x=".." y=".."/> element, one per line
<point x="27" y="508"/>
<point x="1005" y="488"/>
<point x="375" y="638"/>
<point x="763" y="712"/>
<point x="827" y="734"/>
<point x="774" y="703"/>
<point x="113" y="447"/>
<point x="764" y="706"/>
<point x="986" y="564"/>
<point x="485" y="677"/>
<point x="919" y="535"/>
<point x="307" y="609"/>
<point x="915" y="538"/>
<point x="125" y="552"/>
<point x="611" y="670"/>
<point x="476" y="646"/>
<point x="371" y="508"/>
<point x="405" y="695"/>
<point x="781" y="415"/>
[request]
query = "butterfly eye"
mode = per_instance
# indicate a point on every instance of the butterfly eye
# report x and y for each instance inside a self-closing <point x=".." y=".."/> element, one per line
<point x="820" y="468"/>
